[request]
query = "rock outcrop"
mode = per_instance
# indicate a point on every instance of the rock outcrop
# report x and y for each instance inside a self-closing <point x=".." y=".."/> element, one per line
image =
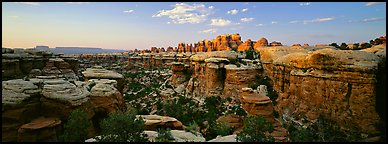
<point x="178" y="135"/>
<point x="34" y="108"/>
<point x="40" y="130"/>
<point x="247" y="45"/>
<point x="262" y="42"/>
<point x="154" y="122"/>
<point x="336" y="84"/>
<point x="97" y="72"/>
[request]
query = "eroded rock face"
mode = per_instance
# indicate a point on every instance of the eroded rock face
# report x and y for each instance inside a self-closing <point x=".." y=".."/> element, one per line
<point x="65" y="91"/>
<point x="20" y="104"/>
<point x="52" y="97"/>
<point x="179" y="73"/>
<point x="257" y="105"/>
<point x="97" y="72"/>
<point x="153" y="122"/>
<point x="238" y="78"/>
<point x="336" y="84"/>
<point x="262" y="42"/>
<point x="248" y="44"/>
<point x="178" y="135"/>
<point x="39" y="130"/>
<point x="232" y="120"/>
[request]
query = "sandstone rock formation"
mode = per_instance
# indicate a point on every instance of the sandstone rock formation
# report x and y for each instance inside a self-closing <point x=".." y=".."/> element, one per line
<point x="275" y="43"/>
<point x="39" y="130"/>
<point x="97" y="72"/>
<point x="178" y="135"/>
<point x="257" y="105"/>
<point x="248" y="44"/>
<point x="238" y="77"/>
<point x="228" y="138"/>
<point x="262" y="42"/>
<point x="336" y="84"/>
<point x="54" y="98"/>
<point x="154" y="122"/>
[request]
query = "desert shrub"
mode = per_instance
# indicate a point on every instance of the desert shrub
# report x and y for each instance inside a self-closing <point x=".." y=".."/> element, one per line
<point x="164" y="135"/>
<point x="275" y="114"/>
<point x="121" y="127"/>
<point x="216" y="129"/>
<point x="237" y="110"/>
<point x="193" y="128"/>
<point x="184" y="109"/>
<point x="234" y="49"/>
<point x="323" y="130"/>
<point x="223" y="129"/>
<point x="75" y="129"/>
<point x="250" y="54"/>
<point x="254" y="130"/>
<point x="214" y="107"/>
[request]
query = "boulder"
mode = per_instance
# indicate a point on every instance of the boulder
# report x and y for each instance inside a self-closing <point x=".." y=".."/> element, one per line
<point x="39" y="130"/>
<point x="228" y="138"/>
<point x="262" y="42"/>
<point x="153" y="122"/>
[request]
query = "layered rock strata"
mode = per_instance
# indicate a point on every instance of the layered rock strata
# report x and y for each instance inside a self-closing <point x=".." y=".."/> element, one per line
<point x="336" y="84"/>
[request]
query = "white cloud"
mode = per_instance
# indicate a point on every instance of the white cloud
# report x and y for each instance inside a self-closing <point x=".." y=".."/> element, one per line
<point x="233" y="12"/>
<point x="244" y="10"/>
<point x="209" y="31"/>
<point x="247" y="19"/>
<point x="274" y="22"/>
<point x="211" y="7"/>
<point x="373" y="3"/>
<point x="184" y="13"/>
<point x="295" y="21"/>
<point x="220" y="22"/>
<point x="372" y="19"/>
<point x="29" y="3"/>
<point x="260" y="25"/>
<point x="305" y="4"/>
<point x="76" y="2"/>
<point x="128" y="11"/>
<point x="318" y="20"/>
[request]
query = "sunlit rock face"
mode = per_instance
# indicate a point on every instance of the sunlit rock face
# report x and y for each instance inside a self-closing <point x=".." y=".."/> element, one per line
<point x="248" y="44"/>
<point x="239" y="77"/>
<point x="97" y="72"/>
<point x="178" y="73"/>
<point x="337" y="84"/>
<point x="208" y="73"/>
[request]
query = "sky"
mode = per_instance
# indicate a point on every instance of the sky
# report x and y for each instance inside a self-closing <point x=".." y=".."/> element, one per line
<point x="142" y="25"/>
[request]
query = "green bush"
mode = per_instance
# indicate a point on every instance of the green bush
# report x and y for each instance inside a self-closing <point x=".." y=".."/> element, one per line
<point x="237" y="110"/>
<point x="164" y="135"/>
<point x="120" y="127"/>
<point x="322" y="131"/>
<point x="75" y="129"/>
<point x="254" y="129"/>
<point x="223" y="129"/>
<point x="250" y="54"/>
<point x="193" y="128"/>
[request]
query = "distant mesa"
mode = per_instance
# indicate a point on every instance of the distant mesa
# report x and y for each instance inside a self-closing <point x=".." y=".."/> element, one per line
<point x="77" y="50"/>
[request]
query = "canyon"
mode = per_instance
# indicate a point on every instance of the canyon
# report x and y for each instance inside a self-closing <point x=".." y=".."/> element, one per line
<point x="301" y="83"/>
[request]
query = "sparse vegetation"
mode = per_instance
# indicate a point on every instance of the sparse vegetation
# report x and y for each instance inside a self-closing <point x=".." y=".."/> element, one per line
<point x="76" y="127"/>
<point x="254" y="130"/>
<point x="164" y="135"/>
<point x="123" y="127"/>
<point x="321" y="131"/>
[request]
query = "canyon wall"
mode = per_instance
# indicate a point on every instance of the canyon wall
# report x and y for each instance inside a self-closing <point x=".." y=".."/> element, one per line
<point x="322" y="81"/>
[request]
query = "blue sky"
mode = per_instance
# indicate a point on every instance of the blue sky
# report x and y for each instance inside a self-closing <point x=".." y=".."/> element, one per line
<point x="141" y="25"/>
